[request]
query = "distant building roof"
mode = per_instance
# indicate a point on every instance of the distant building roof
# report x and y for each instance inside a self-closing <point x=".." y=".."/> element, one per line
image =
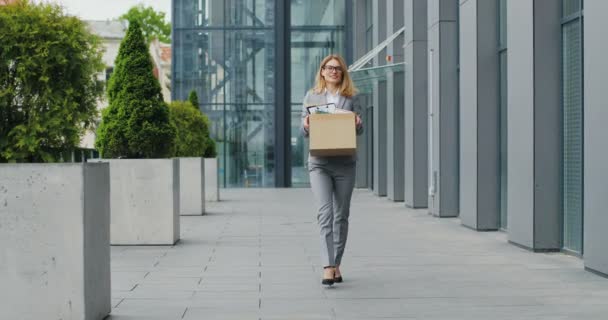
<point x="108" y="29"/>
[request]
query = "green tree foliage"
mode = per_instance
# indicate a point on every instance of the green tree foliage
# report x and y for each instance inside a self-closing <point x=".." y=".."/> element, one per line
<point x="48" y="88"/>
<point x="210" y="150"/>
<point x="192" y="130"/>
<point x="193" y="98"/>
<point x="136" y="124"/>
<point x="152" y="23"/>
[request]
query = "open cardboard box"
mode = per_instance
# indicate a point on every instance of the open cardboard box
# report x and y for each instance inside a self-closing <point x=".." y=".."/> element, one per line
<point x="332" y="134"/>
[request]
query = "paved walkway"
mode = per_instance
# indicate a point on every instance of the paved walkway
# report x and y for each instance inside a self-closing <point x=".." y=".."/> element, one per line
<point x="255" y="256"/>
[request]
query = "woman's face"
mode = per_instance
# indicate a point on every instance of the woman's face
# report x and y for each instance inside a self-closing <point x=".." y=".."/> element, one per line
<point x="332" y="72"/>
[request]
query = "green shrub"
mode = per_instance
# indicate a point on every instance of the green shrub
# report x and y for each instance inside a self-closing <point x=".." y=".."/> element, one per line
<point x="210" y="150"/>
<point x="136" y="124"/>
<point x="48" y="84"/>
<point x="192" y="130"/>
<point x="193" y="98"/>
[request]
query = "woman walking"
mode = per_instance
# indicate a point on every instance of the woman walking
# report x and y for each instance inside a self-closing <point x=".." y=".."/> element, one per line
<point x="332" y="179"/>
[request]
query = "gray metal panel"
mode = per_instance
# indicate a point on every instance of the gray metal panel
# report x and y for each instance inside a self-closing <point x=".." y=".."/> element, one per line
<point x="416" y="109"/>
<point x="596" y="135"/>
<point x="547" y="125"/>
<point x="379" y="31"/>
<point x="433" y="106"/>
<point x="488" y="116"/>
<point x="395" y="132"/>
<point x="520" y="126"/>
<point x="419" y="25"/>
<point x="282" y="116"/>
<point x="415" y="126"/>
<point x="420" y="128"/>
<point x="468" y="114"/>
<point x="359" y="47"/>
<point x="379" y="96"/>
<point x="396" y="18"/>
<point x="442" y="10"/>
<point x="448" y="118"/>
<point x="432" y="13"/>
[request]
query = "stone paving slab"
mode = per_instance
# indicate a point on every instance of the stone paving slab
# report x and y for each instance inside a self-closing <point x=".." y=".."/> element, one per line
<point x="255" y="255"/>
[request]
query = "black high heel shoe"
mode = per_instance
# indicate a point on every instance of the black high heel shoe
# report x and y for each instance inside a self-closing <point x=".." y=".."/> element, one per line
<point x="338" y="279"/>
<point x="328" y="281"/>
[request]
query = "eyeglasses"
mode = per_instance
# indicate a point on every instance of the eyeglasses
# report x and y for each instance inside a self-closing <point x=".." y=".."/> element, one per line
<point x="337" y="69"/>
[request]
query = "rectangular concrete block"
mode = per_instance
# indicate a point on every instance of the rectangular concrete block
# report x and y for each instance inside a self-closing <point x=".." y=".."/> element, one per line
<point x="212" y="180"/>
<point x="145" y="201"/>
<point x="192" y="186"/>
<point x="54" y="231"/>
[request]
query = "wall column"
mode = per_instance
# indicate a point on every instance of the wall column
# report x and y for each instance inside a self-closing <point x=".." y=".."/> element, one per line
<point x="443" y="107"/>
<point x="416" y="109"/>
<point x="534" y="124"/>
<point x="479" y="115"/>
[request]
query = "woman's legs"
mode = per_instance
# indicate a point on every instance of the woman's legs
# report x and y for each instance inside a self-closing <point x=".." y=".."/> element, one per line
<point x="322" y="187"/>
<point x="344" y="182"/>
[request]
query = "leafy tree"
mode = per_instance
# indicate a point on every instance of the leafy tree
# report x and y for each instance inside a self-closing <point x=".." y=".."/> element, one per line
<point x="48" y="88"/>
<point x="152" y="23"/>
<point x="210" y="150"/>
<point x="136" y="124"/>
<point x="192" y="130"/>
<point x="193" y="98"/>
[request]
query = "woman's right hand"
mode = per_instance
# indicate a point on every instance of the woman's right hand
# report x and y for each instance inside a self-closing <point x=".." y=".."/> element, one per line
<point x="306" y="123"/>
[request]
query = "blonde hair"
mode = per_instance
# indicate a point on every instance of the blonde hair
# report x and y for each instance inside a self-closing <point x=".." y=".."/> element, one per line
<point x="347" y="87"/>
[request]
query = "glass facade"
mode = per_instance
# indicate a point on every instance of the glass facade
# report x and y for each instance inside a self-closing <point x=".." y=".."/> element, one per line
<point x="502" y="58"/>
<point x="317" y="30"/>
<point x="572" y="100"/>
<point x="226" y="51"/>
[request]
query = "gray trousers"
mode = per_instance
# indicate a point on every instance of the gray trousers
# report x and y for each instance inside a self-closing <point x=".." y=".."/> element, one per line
<point x="332" y="186"/>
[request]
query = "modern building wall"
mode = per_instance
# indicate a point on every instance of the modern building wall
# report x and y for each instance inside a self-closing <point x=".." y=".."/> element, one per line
<point x="251" y="63"/>
<point x="443" y="105"/>
<point x="395" y="105"/>
<point x="479" y="115"/>
<point x="359" y="47"/>
<point x="416" y="110"/>
<point x="534" y="124"/>
<point x="596" y="135"/>
<point x="379" y="102"/>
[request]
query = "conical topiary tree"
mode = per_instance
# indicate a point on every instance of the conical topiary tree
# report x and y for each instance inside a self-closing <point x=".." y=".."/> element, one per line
<point x="136" y="124"/>
<point x="193" y="98"/>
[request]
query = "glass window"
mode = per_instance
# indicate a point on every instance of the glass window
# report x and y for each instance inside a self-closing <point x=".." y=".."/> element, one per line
<point x="218" y="13"/>
<point x="570" y="7"/>
<point x="225" y="50"/>
<point x="317" y="12"/>
<point x="317" y="30"/>
<point x="572" y="149"/>
<point x="307" y="51"/>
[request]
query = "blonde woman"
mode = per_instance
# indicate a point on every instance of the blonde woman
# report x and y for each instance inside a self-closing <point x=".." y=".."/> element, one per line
<point x="332" y="179"/>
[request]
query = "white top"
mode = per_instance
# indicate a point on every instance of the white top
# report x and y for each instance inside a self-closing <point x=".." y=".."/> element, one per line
<point x="332" y="97"/>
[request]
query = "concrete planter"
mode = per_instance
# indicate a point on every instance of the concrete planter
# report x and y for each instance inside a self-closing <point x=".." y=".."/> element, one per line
<point x="191" y="186"/>
<point x="212" y="181"/>
<point x="54" y="231"/>
<point x="145" y="201"/>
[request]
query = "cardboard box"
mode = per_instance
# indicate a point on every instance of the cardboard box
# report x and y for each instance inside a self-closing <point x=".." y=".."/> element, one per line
<point x="332" y="135"/>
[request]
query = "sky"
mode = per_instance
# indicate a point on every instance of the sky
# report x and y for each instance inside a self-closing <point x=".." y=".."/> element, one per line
<point x="109" y="9"/>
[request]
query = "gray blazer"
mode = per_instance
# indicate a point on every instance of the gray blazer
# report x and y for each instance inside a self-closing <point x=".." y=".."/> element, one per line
<point x="351" y="104"/>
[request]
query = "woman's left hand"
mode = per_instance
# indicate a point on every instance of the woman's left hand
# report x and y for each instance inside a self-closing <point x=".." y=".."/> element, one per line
<point x="358" y="122"/>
